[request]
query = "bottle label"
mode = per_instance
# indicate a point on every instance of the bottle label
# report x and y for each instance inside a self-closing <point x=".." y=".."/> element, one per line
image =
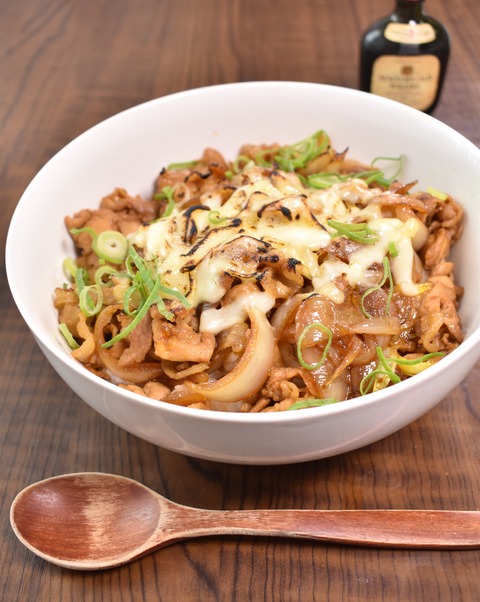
<point x="410" y="33"/>
<point x="412" y="80"/>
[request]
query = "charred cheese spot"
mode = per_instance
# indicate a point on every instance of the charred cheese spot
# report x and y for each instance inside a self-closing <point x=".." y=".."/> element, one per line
<point x="272" y="218"/>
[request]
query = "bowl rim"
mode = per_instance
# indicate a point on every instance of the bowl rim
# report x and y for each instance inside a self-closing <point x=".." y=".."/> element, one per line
<point x="471" y="345"/>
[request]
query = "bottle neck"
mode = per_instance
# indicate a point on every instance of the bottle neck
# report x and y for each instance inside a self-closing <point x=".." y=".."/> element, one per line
<point x="409" y="10"/>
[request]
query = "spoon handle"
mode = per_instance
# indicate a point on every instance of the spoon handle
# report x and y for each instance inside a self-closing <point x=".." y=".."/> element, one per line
<point x="440" y="529"/>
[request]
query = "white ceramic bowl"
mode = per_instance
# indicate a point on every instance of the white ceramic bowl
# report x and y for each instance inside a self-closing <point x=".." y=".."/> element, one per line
<point x="129" y="149"/>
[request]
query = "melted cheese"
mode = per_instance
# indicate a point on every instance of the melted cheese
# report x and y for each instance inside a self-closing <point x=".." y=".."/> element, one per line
<point x="215" y="320"/>
<point x="208" y="285"/>
<point x="193" y="255"/>
<point x="357" y="272"/>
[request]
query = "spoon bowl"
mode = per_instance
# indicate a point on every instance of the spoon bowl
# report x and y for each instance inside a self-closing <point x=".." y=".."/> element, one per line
<point x="93" y="521"/>
<point x="89" y="514"/>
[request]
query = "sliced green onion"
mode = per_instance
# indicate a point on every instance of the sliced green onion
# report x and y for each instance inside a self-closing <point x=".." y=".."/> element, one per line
<point x="384" y="361"/>
<point x="147" y="278"/>
<point x="323" y="180"/>
<point x="242" y="159"/>
<point x="306" y="330"/>
<point x="418" y="360"/>
<point x="86" y="230"/>
<point x="142" y="311"/>
<point x="388" y="181"/>
<point x="144" y="279"/>
<point x="80" y="277"/>
<point x="67" y="335"/>
<point x="147" y="284"/>
<point x="162" y="309"/>
<point x="171" y="292"/>
<point x="295" y="156"/>
<point x="368" y="382"/>
<point x="383" y="369"/>
<point x="90" y="300"/>
<point x="260" y="157"/>
<point x="392" y="249"/>
<point x="111" y="246"/>
<point x="387" y="275"/>
<point x="416" y="365"/>
<point x="372" y="175"/>
<point x="70" y="268"/>
<point x="437" y="193"/>
<point x="361" y="233"/>
<point x="311" y="403"/>
<point x="105" y="270"/>
<point x="127" y="300"/>
<point x="184" y="165"/>
<point x="143" y="275"/>
<point x="298" y="155"/>
<point x="388" y="271"/>
<point x="166" y="193"/>
<point x="215" y="217"/>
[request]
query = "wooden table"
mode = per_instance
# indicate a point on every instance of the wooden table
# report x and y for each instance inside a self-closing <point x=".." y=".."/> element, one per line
<point x="66" y="65"/>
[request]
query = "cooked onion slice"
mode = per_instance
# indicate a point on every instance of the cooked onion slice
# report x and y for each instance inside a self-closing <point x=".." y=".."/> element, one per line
<point x="135" y="373"/>
<point x="389" y="325"/>
<point x="87" y="348"/>
<point x="252" y="370"/>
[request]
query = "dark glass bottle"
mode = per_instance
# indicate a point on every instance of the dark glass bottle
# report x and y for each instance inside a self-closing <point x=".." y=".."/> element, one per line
<point x="404" y="56"/>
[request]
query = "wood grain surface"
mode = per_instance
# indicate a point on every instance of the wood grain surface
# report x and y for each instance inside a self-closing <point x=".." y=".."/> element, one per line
<point x="66" y="65"/>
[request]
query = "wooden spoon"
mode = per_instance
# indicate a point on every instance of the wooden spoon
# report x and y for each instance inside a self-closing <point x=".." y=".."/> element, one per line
<point x="98" y="521"/>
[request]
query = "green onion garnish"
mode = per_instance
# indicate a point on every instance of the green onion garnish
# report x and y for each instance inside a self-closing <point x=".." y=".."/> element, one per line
<point x="141" y="313"/>
<point x="215" y="217"/>
<point x="80" y="276"/>
<point x="368" y="382"/>
<point x="147" y="286"/>
<point x="323" y="180"/>
<point x="311" y="403"/>
<point x="182" y="165"/>
<point x="90" y="300"/>
<point x="70" y="268"/>
<point x="361" y="233"/>
<point x="105" y="271"/>
<point x="437" y="193"/>
<point x="111" y="246"/>
<point x="127" y="300"/>
<point x="418" y="360"/>
<point x="416" y="365"/>
<point x="166" y="193"/>
<point x="145" y="282"/>
<point x="298" y="155"/>
<point x="387" y="275"/>
<point x="392" y="249"/>
<point x="86" y="229"/>
<point x="247" y="162"/>
<point x="383" y="180"/>
<point x="383" y="369"/>
<point x="295" y="156"/>
<point x="67" y="335"/>
<point x="316" y="326"/>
